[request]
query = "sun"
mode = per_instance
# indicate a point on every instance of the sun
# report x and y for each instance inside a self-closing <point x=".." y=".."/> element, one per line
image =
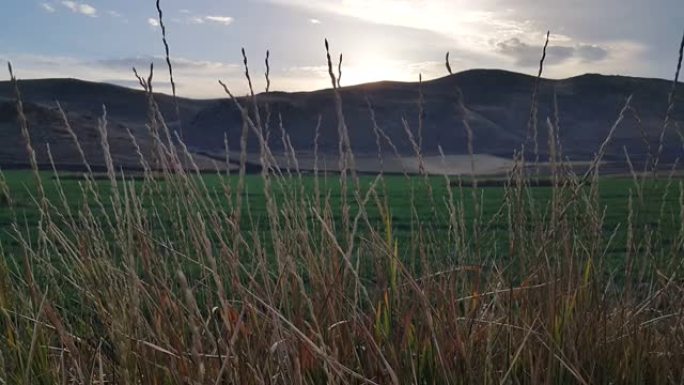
<point x="374" y="68"/>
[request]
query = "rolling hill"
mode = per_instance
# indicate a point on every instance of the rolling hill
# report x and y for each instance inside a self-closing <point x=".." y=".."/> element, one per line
<point x="497" y="106"/>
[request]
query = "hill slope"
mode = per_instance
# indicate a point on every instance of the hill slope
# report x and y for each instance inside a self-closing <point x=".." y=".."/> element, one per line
<point x="497" y="104"/>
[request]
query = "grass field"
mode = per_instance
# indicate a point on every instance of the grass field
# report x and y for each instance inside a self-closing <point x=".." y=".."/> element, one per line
<point x="427" y="196"/>
<point x="178" y="278"/>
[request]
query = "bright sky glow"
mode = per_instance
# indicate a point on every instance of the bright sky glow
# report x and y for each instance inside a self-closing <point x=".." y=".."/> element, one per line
<point x="102" y="40"/>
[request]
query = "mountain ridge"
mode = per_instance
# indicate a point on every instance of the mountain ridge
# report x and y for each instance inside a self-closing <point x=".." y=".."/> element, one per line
<point x="497" y="106"/>
<point x="3" y="83"/>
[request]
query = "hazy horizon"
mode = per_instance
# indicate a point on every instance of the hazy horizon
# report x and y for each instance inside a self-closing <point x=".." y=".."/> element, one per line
<point x="100" y="40"/>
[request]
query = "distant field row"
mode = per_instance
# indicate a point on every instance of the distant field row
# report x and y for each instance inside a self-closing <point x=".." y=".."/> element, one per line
<point x="429" y="196"/>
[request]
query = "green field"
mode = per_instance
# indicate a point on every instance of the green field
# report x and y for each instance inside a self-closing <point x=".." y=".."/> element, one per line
<point x="223" y="278"/>
<point x="413" y="202"/>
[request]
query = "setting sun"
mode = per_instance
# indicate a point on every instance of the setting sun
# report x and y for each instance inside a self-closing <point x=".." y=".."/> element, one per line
<point x="373" y="68"/>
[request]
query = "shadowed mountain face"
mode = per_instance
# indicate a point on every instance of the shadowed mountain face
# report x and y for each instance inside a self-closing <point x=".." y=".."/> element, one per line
<point x="497" y="107"/>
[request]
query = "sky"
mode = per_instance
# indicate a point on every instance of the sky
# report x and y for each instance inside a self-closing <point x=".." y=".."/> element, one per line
<point x="102" y="40"/>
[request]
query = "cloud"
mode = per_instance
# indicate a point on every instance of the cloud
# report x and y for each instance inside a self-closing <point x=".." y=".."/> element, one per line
<point x="82" y="8"/>
<point x="487" y="31"/>
<point x="526" y="55"/>
<point x="315" y="70"/>
<point x="225" y="20"/>
<point x="47" y="7"/>
<point x="125" y="64"/>
<point x="591" y="52"/>
<point x="153" y="22"/>
<point x="466" y="23"/>
<point x="314" y="21"/>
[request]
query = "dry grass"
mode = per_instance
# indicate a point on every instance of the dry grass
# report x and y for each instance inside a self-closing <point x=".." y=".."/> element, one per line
<point x="137" y="289"/>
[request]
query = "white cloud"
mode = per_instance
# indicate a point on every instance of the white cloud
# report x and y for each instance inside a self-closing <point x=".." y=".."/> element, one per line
<point x="225" y="20"/>
<point x="476" y="28"/>
<point x="87" y="10"/>
<point x="469" y="24"/>
<point x="205" y="66"/>
<point x="114" y="14"/>
<point x="82" y="8"/>
<point x="47" y="7"/>
<point x="71" y="5"/>
<point x="486" y="34"/>
<point x="153" y="22"/>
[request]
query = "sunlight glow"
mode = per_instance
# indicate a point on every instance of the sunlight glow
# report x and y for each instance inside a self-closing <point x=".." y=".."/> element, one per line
<point x="472" y="25"/>
<point x="371" y="68"/>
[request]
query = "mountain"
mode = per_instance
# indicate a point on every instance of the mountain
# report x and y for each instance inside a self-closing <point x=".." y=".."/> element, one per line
<point x="497" y="107"/>
<point x="83" y="104"/>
